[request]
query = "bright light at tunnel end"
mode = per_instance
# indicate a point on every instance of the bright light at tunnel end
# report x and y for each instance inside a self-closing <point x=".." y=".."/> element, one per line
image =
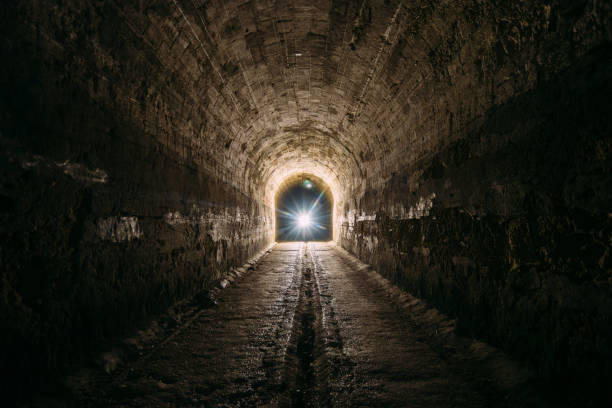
<point x="299" y="171"/>
<point x="304" y="220"/>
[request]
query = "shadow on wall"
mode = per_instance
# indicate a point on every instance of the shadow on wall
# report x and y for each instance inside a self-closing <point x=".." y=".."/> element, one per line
<point x="103" y="224"/>
<point x="517" y="241"/>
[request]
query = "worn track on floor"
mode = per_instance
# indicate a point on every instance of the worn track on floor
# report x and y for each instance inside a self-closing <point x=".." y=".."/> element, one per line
<point x="312" y="326"/>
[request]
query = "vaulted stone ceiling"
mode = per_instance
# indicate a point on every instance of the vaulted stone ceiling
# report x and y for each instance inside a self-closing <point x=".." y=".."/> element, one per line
<point x="348" y="90"/>
<point x="349" y="87"/>
<point x="352" y="91"/>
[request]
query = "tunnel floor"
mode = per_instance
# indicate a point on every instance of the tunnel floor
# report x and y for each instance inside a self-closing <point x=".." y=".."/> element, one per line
<point x="311" y="326"/>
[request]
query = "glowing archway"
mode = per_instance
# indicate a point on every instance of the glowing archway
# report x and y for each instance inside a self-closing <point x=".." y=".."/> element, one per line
<point x="303" y="206"/>
<point x="278" y="177"/>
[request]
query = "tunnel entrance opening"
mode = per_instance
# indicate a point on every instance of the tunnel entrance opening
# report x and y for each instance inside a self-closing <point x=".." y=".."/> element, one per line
<point x="303" y="207"/>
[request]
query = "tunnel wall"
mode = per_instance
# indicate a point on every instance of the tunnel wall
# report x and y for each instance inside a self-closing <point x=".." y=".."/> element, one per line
<point x="109" y="211"/>
<point x="509" y="227"/>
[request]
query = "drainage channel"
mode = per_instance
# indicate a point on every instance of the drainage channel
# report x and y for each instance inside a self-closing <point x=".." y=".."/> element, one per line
<point x="304" y="353"/>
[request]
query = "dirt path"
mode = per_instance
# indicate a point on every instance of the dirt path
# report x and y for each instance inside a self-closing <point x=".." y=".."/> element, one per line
<point x="312" y="326"/>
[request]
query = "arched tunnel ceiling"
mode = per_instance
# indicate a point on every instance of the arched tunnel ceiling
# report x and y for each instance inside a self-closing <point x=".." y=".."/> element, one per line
<point x="298" y="76"/>
<point x="348" y="90"/>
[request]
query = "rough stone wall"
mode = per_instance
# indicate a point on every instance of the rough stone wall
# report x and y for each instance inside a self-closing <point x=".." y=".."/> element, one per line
<point x="144" y="127"/>
<point x="108" y="214"/>
<point x="509" y="227"/>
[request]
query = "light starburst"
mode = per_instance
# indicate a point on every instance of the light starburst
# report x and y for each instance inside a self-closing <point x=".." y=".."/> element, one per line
<point x="304" y="220"/>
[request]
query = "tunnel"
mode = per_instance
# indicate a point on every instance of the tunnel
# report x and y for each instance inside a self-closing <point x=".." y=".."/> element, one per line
<point x="305" y="203"/>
